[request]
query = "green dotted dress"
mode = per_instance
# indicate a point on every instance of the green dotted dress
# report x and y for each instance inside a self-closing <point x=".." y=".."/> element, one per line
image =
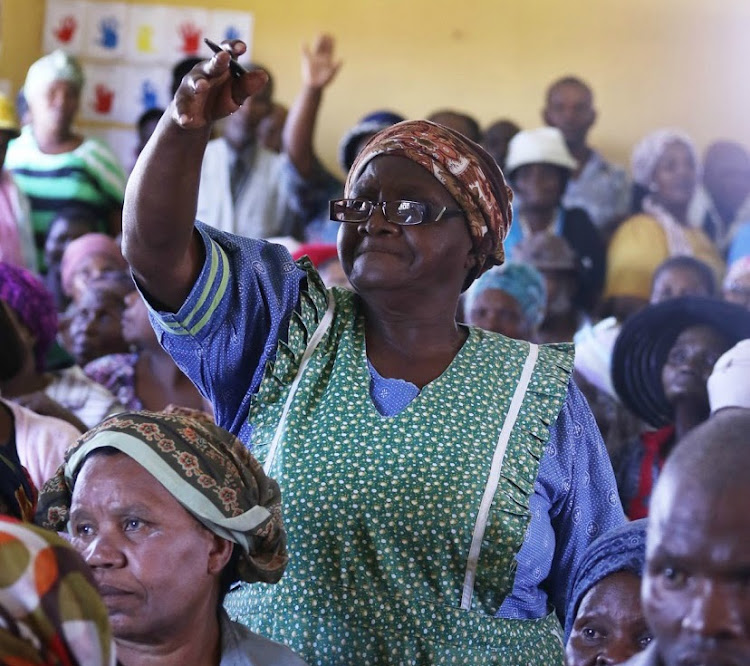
<point x="382" y="512"/>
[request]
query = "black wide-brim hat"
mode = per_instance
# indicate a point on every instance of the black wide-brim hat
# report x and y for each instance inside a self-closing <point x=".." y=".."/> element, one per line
<point x="646" y="338"/>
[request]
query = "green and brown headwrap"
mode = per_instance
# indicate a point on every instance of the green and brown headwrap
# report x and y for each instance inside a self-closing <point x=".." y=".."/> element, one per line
<point x="207" y="470"/>
<point x="464" y="168"/>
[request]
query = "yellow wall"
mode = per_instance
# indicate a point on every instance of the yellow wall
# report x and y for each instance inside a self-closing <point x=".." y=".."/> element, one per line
<point x="650" y="62"/>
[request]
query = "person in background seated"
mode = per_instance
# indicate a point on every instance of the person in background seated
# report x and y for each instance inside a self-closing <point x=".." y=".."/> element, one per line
<point x="87" y="259"/>
<point x="604" y="622"/>
<point x="51" y="610"/>
<point x="665" y="167"/>
<point x="729" y="383"/>
<point x="660" y="367"/>
<point x="694" y="591"/>
<point x="599" y="187"/>
<point x="736" y="286"/>
<point x="145" y="126"/>
<point x="70" y="223"/>
<point x="146" y="378"/>
<point x="496" y="137"/>
<point x="510" y="299"/>
<point x="539" y="166"/>
<point x="682" y="276"/>
<point x="55" y="166"/>
<point x="168" y="512"/>
<point x="65" y="393"/>
<point x="553" y="257"/>
<point x="271" y="128"/>
<point x="16" y="237"/>
<point x="458" y="121"/>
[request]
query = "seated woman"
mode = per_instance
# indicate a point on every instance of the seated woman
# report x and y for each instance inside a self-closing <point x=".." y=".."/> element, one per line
<point x="146" y="378"/>
<point x="665" y="166"/>
<point x="682" y="276"/>
<point x="168" y="511"/>
<point x="51" y="611"/>
<point x="54" y="165"/>
<point x="539" y="166"/>
<point x="510" y="299"/>
<point x="605" y="622"/>
<point x="32" y="310"/>
<point x="660" y="366"/>
<point x="434" y="515"/>
<point x="89" y="258"/>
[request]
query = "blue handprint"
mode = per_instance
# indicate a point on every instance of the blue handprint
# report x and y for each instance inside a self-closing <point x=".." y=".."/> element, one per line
<point x="231" y="33"/>
<point x="108" y="29"/>
<point x="149" y="98"/>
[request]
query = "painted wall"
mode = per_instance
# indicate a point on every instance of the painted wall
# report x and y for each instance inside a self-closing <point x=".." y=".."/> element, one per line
<point x="650" y="62"/>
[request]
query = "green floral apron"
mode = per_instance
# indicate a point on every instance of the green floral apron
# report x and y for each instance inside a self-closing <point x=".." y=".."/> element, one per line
<point x="402" y="530"/>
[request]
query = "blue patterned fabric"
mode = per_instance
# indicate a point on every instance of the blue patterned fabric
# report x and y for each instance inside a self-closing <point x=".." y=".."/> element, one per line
<point x="575" y="496"/>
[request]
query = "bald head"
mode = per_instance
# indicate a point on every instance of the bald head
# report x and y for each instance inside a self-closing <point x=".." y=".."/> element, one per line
<point x="726" y="176"/>
<point x="569" y="106"/>
<point x="570" y="82"/>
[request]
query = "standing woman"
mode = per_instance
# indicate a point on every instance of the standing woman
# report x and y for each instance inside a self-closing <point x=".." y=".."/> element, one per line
<point x="665" y="173"/>
<point x="432" y="512"/>
<point x="54" y="165"/>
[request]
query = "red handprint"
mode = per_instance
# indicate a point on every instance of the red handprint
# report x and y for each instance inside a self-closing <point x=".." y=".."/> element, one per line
<point x="104" y="98"/>
<point x="191" y="37"/>
<point x="66" y="29"/>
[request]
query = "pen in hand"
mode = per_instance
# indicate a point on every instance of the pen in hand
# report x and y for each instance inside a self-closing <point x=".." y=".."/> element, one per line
<point x="234" y="67"/>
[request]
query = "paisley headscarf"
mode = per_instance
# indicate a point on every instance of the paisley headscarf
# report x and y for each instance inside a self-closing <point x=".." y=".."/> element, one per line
<point x="207" y="470"/>
<point x="50" y="611"/>
<point x="463" y="167"/>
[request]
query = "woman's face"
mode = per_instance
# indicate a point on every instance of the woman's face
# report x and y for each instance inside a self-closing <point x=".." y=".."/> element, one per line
<point x="674" y="178"/>
<point x="54" y="109"/>
<point x="95" y="327"/>
<point x="136" y="328"/>
<point x="538" y="185"/>
<point x="378" y="255"/>
<point x="93" y="267"/>
<point x="690" y="362"/>
<point x="677" y="282"/>
<point x="61" y="232"/>
<point x="609" y="627"/>
<point x="496" y="310"/>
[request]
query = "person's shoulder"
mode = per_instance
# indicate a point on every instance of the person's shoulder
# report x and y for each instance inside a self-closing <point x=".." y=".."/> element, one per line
<point x="612" y="169"/>
<point x="242" y="646"/>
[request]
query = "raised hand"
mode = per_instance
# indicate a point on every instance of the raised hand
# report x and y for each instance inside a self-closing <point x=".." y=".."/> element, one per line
<point x="191" y="37"/>
<point x="209" y="92"/>
<point x="66" y="29"/>
<point x="108" y="36"/>
<point x="318" y="65"/>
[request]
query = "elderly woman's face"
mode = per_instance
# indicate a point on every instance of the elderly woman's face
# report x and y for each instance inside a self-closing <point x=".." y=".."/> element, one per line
<point x="156" y="567"/>
<point x="674" y="178"/>
<point x="496" y="310"/>
<point x="609" y="627"/>
<point x="379" y="255"/>
<point x="96" y="326"/>
<point x="55" y="108"/>
<point x="690" y="362"/>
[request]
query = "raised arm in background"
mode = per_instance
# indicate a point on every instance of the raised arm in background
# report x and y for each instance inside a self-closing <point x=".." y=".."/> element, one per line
<point x="318" y="70"/>
<point x="160" y="199"/>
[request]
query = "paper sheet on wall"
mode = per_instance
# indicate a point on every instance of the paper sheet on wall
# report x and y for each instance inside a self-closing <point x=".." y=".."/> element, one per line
<point x="147" y="34"/>
<point x="102" y="92"/>
<point x="64" y="26"/>
<point x="144" y="88"/>
<point x="187" y="28"/>
<point x="105" y="30"/>
<point x="233" y="25"/>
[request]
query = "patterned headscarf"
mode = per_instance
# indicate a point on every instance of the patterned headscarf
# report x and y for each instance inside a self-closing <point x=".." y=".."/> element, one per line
<point x="56" y="66"/>
<point x="620" y="549"/>
<point x="33" y="305"/>
<point x="50" y="611"/>
<point x="82" y="247"/>
<point x="463" y="167"/>
<point x="649" y="150"/>
<point x="18" y="493"/>
<point x="207" y="470"/>
<point x="522" y="281"/>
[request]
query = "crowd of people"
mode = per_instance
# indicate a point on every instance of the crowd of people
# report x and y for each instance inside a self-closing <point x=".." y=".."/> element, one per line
<point x="483" y="401"/>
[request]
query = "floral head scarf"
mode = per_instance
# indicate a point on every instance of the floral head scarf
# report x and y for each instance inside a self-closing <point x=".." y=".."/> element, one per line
<point x="50" y="611"/>
<point x="647" y="152"/>
<point x="34" y="306"/>
<point x="207" y="470"/>
<point x="463" y="167"/>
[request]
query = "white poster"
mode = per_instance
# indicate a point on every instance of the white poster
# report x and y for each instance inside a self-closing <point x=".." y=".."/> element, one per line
<point x="232" y="25"/>
<point x="147" y="34"/>
<point x="187" y="28"/>
<point x="64" y="25"/>
<point x="105" y="30"/>
<point x="145" y="88"/>
<point x="102" y="92"/>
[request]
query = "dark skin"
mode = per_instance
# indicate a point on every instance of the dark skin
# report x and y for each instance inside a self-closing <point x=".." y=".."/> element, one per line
<point x="726" y="176"/>
<point x="570" y="108"/>
<point x="609" y="626"/>
<point x="676" y="282"/>
<point x="674" y="179"/>
<point x="409" y="290"/>
<point x="496" y="310"/>
<point x="540" y="188"/>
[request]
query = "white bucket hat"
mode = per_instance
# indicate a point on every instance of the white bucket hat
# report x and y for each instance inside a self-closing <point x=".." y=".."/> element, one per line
<point x="544" y="145"/>
<point x="729" y="383"/>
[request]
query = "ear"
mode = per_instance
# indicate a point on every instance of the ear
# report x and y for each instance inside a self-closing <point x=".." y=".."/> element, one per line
<point x="219" y="554"/>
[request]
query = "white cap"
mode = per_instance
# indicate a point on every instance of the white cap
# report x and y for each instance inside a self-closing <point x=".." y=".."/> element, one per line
<point x="729" y="383"/>
<point x="544" y="145"/>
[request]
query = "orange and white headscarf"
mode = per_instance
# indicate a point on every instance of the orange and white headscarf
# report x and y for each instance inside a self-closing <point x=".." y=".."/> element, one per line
<point x="463" y="167"/>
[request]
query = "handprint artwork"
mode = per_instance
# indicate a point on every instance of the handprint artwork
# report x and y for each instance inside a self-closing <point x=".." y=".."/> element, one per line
<point x="231" y="33"/>
<point x="191" y="37"/>
<point x="108" y="33"/>
<point x="149" y="98"/>
<point x="66" y="29"/>
<point x="145" y="39"/>
<point x="104" y="98"/>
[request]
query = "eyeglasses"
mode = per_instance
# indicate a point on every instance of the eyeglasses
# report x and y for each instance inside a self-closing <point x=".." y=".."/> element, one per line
<point x="400" y="211"/>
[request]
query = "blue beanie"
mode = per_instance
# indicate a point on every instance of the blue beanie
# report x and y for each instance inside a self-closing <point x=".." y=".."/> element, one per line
<point x="370" y="124"/>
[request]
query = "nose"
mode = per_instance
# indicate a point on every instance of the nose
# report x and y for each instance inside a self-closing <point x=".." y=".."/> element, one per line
<point x="377" y="222"/>
<point x="713" y="613"/>
<point x="103" y="553"/>
<point x="616" y="651"/>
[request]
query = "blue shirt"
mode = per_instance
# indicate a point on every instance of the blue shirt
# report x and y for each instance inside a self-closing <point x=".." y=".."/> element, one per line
<point x="229" y="327"/>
